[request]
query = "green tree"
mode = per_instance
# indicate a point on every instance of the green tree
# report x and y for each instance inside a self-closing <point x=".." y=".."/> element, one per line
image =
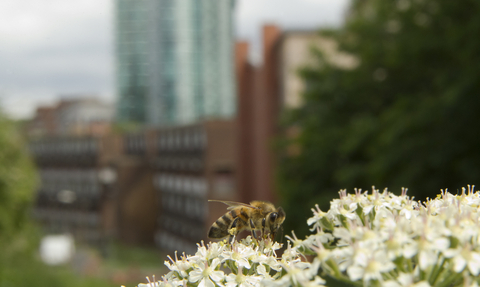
<point x="406" y="116"/>
<point x="17" y="180"/>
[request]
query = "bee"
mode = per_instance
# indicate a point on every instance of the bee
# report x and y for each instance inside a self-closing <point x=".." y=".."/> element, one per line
<point x="258" y="215"/>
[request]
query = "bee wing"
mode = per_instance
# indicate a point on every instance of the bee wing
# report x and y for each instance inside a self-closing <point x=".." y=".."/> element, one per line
<point x="233" y="204"/>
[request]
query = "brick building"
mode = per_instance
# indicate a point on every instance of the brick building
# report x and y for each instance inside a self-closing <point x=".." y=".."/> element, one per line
<point x="264" y="92"/>
<point x="145" y="187"/>
<point x="192" y="164"/>
<point x="72" y="196"/>
<point x="79" y="116"/>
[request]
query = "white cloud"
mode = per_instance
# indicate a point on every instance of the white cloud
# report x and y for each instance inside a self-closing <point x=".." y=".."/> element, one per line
<point x="33" y="22"/>
<point x="54" y="47"/>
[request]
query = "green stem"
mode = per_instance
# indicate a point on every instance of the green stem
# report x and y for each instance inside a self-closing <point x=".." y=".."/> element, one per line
<point x="253" y="269"/>
<point x="449" y="279"/>
<point x="347" y="280"/>
<point x="410" y="265"/>
<point x="231" y="265"/>
<point x="392" y="275"/>
<point x="427" y="273"/>
<point x="334" y="267"/>
<point x="436" y="272"/>
<point x="337" y="274"/>
<point x="388" y="275"/>
<point x="400" y="263"/>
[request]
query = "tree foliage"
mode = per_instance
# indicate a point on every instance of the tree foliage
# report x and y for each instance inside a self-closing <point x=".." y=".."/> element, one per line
<point x="406" y="116"/>
<point x="17" y="180"/>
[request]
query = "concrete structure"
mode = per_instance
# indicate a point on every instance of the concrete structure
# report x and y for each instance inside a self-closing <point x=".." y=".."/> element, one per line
<point x="132" y="52"/>
<point x="95" y="188"/>
<point x="44" y="122"/>
<point x="80" y="116"/>
<point x="174" y="61"/>
<point x="72" y="196"/>
<point x="257" y="119"/>
<point x="264" y="92"/>
<point x="192" y="164"/>
<point x="294" y="52"/>
<point x="84" y="116"/>
<point x="146" y="187"/>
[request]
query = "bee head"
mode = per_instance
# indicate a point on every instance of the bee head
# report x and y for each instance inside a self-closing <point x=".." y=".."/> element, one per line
<point x="275" y="219"/>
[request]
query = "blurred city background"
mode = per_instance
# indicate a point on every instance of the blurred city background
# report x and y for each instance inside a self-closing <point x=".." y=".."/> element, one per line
<point x="121" y="118"/>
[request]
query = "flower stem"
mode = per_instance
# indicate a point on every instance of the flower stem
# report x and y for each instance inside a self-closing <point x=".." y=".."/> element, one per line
<point x="451" y="278"/>
<point x="436" y="271"/>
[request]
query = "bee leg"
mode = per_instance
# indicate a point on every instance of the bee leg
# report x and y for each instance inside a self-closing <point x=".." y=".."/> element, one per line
<point x="231" y="237"/>
<point x="272" y="234"/>
<point x="263" y="228"/>
<point x="252" y="229"/>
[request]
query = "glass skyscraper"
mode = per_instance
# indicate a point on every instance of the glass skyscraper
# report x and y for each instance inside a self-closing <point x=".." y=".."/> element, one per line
<point x="175" y="60"/>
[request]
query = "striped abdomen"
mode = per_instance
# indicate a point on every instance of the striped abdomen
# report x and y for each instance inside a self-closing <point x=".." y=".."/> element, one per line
<point x="220" y="227"/>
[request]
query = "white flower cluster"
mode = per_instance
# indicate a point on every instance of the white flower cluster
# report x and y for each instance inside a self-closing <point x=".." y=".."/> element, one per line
<point x="376" y="239"/>
<point x="250" y="262"/>
<point x="388" y="240"/>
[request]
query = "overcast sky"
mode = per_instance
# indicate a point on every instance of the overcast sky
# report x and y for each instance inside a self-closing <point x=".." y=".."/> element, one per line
<point x="53" y="48"/>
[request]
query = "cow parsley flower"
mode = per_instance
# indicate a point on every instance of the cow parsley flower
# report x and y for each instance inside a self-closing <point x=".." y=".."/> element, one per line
<point x="240" y="255"/>
<point x="242" y="280"/>
<point x="370" y="239"/>
<point x="207" y="275"/>
<point x="464" y="256"/>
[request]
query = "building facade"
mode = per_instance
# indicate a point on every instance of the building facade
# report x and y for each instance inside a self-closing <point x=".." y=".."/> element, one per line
<point x="79" y="116"/>
<point x="143" y="187"/>
<point x="293" y="52"/>
<point x="192" y="164"/>
<point x="71" y="197"/>
<point x="174" y="61"/>
<point x="264" y="93"/>
<point x="132" y="54"/>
